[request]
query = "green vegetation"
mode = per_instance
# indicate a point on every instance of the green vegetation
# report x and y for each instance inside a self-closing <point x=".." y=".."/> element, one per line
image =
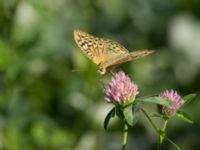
<point x="45" y="105"/>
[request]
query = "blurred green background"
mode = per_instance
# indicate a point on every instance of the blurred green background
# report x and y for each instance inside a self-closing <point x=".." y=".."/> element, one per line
<point x="44" y="105"/>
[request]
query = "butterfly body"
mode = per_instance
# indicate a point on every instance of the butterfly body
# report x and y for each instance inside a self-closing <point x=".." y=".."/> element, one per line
<point x="105" y="53"/>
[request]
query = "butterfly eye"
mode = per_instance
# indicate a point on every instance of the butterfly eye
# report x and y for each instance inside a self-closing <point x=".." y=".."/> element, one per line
<point x="102" y="71"/>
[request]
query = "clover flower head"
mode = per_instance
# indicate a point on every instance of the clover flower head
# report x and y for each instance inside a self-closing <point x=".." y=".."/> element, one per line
<point x="176" y="99"/>
<point x="120" y="90"/>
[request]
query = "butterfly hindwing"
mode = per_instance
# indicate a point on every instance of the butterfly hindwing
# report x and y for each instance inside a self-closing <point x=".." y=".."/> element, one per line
<point x="114" y="48"/>
<point x="119" y="59"/>
<point x="139" y="54"/>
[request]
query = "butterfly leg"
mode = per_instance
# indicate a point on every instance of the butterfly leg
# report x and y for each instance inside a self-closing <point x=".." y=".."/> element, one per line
<point x="113" y="70"/>
<point x="101" y="81"/>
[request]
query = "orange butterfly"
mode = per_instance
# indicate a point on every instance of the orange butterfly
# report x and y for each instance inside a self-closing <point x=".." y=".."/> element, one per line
<point x="105" y="53"/>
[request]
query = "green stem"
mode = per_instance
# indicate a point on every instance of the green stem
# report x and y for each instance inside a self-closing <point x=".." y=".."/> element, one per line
<point x="174" y="144"/>
<point x="154" y="126"/>
<point x="125" y="136"/>
<point x="159" y="145"/>
<point x="157" y="131"/>
<point x="163" y="129"/>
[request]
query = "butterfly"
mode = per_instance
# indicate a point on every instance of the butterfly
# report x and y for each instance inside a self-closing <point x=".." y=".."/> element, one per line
<point x="105" y="53"/>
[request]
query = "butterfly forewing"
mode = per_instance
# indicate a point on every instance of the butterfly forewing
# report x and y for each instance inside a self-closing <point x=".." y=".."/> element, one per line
<point x="92" y="46"/>
<point x="98" y="49"/>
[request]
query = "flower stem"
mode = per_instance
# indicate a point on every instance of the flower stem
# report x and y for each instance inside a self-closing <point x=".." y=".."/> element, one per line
<point x="157" y="131"/>
<point x="154" y="126"/>
<point x="125" y="136"/>
<point x="161" y="137"/>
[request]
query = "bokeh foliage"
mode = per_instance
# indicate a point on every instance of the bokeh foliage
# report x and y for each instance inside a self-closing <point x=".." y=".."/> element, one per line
<point x="45" y="105"/>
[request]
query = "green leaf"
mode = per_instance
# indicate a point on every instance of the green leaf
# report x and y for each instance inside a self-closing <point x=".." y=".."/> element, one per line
<point x="119" y="112"/>
<point x="163" y="116"/>
<point x="157" y="100"/>
<point x="131" y="114"/>
<point x="108" y="117"/>
<point x="156" y="115"/>
<point x="136" y="112"/>
<point x="189" y="97"/>
<point x="185" y="117"/>
<point x="128" y="115"/>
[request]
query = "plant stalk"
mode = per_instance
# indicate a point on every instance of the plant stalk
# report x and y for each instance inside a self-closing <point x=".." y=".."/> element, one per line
<point x="125" y="134"/>
<point x="161" y="137"/>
